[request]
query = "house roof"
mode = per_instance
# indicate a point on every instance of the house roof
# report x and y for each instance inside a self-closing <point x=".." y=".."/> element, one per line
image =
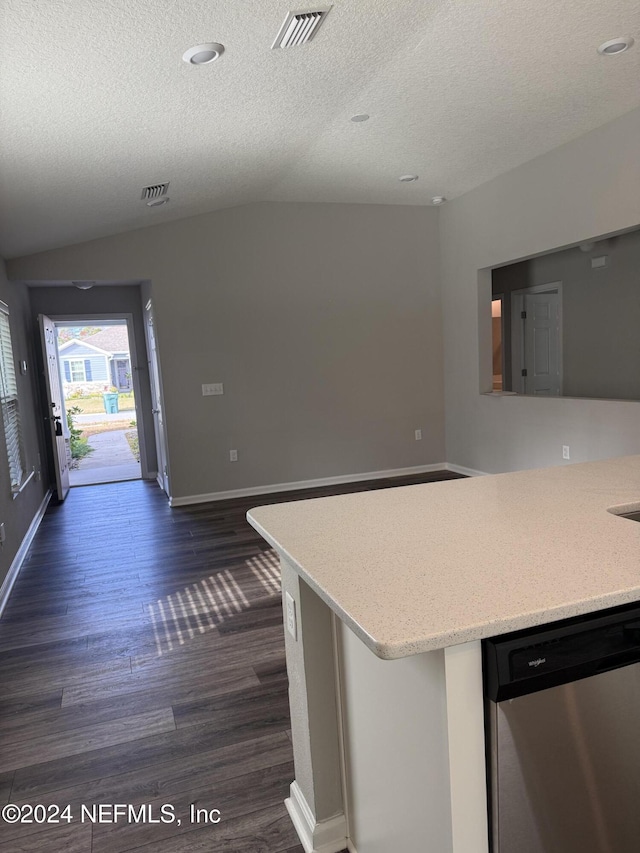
<point x="457" y="93"/>
<point x="110" y="340"/>
<point x="64" y="349"/>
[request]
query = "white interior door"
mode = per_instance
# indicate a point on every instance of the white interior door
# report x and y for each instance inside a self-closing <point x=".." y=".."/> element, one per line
<point x="55" y="407"/>
<point x="542" y="344"/>
<point x="156" y="399"/>
<point x="537" y="360"/>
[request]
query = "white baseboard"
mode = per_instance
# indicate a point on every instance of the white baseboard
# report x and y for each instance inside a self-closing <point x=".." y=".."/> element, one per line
<point x="327" y="836"/>
<point x="468" y="472"/>
<point x="18" y="560"/>
<point x="306" y="484"/>
<point x="350" y="846"/>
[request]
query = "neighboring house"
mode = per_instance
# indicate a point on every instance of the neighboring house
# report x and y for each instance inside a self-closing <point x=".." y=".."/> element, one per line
<point x="97" y="362"/>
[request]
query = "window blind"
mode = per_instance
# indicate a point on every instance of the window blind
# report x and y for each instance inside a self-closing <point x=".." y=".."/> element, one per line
<point x="9" y="403"/>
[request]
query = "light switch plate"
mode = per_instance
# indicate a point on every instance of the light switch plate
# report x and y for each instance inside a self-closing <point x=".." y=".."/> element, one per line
<point x="212" y="389"/>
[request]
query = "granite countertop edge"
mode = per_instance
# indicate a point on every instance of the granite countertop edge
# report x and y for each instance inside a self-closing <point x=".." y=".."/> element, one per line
<point x="388" y="644"/>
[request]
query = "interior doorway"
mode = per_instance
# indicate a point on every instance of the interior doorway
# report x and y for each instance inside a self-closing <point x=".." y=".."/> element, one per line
<point x="99" y="399"/>
<point x="497" y="339"/>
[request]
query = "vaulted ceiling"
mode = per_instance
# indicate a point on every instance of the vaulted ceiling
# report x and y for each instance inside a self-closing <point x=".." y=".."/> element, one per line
<point x="96" y="103"/>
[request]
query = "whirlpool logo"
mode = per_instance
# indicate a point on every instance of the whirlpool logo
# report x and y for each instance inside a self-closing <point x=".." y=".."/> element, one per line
<point x="537" y="662"/>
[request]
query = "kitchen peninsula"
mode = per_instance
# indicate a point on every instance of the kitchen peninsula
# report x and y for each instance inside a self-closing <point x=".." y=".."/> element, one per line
<point x="393" y="591"/>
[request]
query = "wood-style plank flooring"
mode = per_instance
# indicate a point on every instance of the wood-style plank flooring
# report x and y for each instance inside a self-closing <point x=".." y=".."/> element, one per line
<point x="142" y="662"/>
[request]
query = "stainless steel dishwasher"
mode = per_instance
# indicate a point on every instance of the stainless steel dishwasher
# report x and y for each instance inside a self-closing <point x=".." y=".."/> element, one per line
<point x="562" y="711"/>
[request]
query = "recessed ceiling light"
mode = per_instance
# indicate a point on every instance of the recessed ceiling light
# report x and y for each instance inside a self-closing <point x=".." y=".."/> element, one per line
<point x="407" y="179"/>
<point x="203" y="54"/>
<point x="360" y="117"/>
<point x="438" y="199"/>
<point x="156" y="202"/>
<point x="84" y="285"/>
<point x="614" y="46"/>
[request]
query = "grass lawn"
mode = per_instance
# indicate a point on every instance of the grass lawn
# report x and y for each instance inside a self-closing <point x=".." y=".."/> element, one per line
<point x="94" y="429"/>
<point x="95" y="405"/>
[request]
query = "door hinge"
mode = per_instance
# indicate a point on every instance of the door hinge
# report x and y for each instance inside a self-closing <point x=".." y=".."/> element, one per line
<point x="523" y="372"/>
<point x="523" y="315"/>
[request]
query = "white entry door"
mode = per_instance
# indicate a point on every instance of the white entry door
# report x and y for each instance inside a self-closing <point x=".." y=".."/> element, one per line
<point x="537" y="361"/>
<point x="156" y="401"/>
<point x="55" y="408"/>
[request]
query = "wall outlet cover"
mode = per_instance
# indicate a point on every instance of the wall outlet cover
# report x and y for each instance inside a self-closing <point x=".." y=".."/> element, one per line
<point x="290" y="615"/>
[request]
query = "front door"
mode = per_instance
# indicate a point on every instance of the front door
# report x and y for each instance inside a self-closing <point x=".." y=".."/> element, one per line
<point x="55" y="409"/>
<point x="156" y="401"/>
<point x="123" y="375"/>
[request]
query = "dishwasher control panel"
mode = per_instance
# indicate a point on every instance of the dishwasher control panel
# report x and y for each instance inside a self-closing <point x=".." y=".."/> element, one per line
<point x="527" y="661"/>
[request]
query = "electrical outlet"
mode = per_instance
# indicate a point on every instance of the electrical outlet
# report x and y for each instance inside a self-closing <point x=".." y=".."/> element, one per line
<point x="565" y="451"/>
<point x="233" y="456"/>
<point x="213" y="389"/>
<point x="290" y="612"/>
<point x="418" y="435"/>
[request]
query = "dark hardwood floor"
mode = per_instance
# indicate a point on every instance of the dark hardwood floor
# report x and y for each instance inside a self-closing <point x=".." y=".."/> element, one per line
<point x="142" y="662"/>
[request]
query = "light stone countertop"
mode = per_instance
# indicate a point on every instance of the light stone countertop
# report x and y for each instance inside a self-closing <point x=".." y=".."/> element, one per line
<point x="423" y="567"/>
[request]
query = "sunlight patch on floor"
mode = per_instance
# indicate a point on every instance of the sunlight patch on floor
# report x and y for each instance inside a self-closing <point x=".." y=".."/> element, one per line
<point x="204" y="605"/>
<point x="266" y="570"/>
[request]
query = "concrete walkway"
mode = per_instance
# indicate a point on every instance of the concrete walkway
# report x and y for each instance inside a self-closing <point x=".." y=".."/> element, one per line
<point x="110" y="462"/>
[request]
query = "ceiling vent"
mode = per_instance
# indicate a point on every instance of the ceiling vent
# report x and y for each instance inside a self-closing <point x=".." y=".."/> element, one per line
<point x="154" y="191"/>
<point x="300" y="27"/>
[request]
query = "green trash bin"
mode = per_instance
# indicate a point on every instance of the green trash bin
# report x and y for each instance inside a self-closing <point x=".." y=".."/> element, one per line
<point x="110" y="403"/>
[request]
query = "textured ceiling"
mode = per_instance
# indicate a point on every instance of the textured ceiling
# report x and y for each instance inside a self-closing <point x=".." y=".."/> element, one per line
<point x="95" y="103"/>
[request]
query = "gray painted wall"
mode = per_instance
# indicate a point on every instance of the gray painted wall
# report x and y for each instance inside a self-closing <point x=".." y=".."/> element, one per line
<point x="17" y="513"/>
<point x="323" y="322"/>
<point x="69" y="301"/>
<point x="600" y="314"/>
<point x="581" y="190"/>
